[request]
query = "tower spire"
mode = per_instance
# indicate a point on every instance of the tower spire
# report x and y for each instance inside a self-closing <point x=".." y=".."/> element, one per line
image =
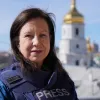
<point x="73" y="4"/>
<point x="73" y="15"/>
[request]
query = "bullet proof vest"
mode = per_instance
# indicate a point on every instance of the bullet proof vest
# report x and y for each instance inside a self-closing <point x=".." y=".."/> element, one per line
<point x="58" y="87"/>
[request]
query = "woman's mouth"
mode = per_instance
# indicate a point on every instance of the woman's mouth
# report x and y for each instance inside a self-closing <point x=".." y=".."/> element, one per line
<point x="36" y="51"/>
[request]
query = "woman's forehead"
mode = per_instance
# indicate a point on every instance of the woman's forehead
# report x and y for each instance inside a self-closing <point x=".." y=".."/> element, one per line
<point x="36" y="24"/>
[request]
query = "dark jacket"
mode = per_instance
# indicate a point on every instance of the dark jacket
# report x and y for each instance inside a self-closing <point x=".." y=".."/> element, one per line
<point x="17" y="84"/>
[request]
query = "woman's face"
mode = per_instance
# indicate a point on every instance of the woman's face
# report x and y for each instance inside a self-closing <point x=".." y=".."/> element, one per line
<point x="34" y="40"/>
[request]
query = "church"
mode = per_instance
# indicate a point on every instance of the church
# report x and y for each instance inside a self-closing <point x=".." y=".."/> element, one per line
<point x="73" y="45"/>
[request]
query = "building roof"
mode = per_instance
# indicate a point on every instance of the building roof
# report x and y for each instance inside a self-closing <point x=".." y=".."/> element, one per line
<point x="73" y="16"/>
<point x="87" y="81"/>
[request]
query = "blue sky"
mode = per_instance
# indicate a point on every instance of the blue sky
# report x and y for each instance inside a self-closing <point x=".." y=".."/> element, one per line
<point x="9" y="9"/>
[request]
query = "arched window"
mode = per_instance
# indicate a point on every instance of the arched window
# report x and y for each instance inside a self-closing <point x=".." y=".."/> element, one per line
<point x="77" y="62"/>
<point x="77" y="45"/>
<point x="77" y="31"/>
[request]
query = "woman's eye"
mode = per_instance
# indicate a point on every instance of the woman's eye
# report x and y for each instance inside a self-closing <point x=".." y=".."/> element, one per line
<point x="28" y="35"/>
<point x="43" y="35"/>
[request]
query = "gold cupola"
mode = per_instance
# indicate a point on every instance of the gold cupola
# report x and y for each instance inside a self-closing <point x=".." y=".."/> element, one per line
<point x="73" y="16"/>
<point x="89" y="46"/>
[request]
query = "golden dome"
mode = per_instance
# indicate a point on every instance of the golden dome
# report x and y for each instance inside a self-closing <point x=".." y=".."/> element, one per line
<point x="89" y="46"/>
<point x="73" y="16"/>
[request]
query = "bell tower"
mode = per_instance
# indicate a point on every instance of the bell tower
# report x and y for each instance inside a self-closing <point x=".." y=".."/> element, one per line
<point x="72" y="47"/>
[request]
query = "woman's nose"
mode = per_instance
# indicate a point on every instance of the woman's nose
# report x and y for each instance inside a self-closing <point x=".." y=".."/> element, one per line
<point x="35" y="40"/>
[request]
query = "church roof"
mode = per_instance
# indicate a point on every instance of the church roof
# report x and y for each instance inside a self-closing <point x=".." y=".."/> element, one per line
<point x="87" y="81"/>
<point x="73" y="16"/>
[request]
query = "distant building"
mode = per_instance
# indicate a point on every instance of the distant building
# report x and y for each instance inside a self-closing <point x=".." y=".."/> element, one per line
<point x="5" y="59"/>
<point x="72" y="48"/>
<point x="97" y="58"/>
<point x="95" y="47"/>
<point x="87" y="81"/>
<point x="92" y="47"/>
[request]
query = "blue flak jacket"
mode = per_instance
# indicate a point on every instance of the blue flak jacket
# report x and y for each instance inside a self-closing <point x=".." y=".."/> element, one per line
<point x="17" y="84"/>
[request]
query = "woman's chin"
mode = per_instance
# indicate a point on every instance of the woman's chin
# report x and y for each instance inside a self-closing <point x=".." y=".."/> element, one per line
<point x="36" y="60"/>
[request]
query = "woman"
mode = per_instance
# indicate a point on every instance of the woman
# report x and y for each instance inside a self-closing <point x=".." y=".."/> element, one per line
<point x="37" y="74"/>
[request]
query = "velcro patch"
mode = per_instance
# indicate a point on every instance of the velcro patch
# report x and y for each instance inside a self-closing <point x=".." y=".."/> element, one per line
<point x="14" y="79"/>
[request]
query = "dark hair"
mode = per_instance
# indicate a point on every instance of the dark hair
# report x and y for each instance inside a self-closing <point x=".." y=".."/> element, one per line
<point x="51" y="60"/>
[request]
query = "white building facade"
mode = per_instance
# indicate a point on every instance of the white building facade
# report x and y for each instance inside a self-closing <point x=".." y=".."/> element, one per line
<point x="72" y="47"/>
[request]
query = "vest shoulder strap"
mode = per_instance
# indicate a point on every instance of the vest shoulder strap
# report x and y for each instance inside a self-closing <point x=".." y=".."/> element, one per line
<point x="11" y="78"/>
<point x="14" y="81"/>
